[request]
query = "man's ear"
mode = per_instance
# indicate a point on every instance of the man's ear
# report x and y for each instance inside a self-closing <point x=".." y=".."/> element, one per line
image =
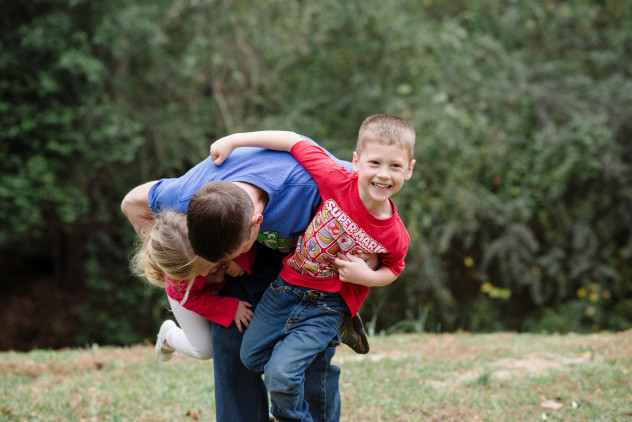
<point x="257" y="219"/>
<point x="355" y="163"/>
<point x="409" y="171"/>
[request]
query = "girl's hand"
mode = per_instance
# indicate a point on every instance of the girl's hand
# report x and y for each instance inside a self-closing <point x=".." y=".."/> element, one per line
<point x="220" y="150"/>
<point x="234" y="270"/>
<point x="243" y="315"/>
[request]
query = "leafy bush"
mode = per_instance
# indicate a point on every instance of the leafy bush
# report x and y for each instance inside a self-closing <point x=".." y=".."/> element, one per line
<point x="518" y="208"/>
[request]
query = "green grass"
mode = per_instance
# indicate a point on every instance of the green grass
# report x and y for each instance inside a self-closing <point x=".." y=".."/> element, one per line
<point x="449" y="377"/>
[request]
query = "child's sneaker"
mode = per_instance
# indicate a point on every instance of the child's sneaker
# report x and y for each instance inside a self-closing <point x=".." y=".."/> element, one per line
<point x="353" y="335"/>
<point x="165" y="353"/>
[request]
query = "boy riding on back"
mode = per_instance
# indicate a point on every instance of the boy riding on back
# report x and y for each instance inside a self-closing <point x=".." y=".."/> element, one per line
<point x="323" y="281"/>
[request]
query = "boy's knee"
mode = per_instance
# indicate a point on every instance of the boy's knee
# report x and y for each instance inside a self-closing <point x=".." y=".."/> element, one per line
<point x="248" y="360"/>
<point x="280" y="379"/>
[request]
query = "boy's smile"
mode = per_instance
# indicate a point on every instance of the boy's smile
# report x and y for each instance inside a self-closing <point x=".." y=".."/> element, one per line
<point x="381" y="170"/>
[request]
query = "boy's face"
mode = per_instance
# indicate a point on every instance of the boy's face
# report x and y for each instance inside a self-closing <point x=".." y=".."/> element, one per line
<point x="381" y="170"/>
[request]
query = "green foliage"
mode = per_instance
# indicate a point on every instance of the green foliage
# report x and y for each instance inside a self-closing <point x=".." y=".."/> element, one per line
<point x="58" y="128"/>
<point x="520" y="198"/>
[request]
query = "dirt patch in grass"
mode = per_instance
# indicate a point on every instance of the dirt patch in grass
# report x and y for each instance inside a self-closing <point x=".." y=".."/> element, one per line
<point x="89" y="361"/>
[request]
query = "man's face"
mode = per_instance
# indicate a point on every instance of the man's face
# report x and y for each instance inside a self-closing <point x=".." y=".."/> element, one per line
<point x="245" y="245"/>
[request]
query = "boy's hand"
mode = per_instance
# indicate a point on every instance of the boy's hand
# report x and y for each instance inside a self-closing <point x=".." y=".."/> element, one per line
<point x="371" y="259"/>
<point x="243" y="315"/>
<point x="234" y="270"/>
<point x="220" y="150"/>
<point x="352" y="268"/>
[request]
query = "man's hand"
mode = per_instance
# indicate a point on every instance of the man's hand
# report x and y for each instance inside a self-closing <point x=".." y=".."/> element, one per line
<point x="220" y="150"/>
<point x="243" y="315"/>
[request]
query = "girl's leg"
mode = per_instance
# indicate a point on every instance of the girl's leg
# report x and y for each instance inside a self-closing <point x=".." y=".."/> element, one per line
<point x="193" y="338"/>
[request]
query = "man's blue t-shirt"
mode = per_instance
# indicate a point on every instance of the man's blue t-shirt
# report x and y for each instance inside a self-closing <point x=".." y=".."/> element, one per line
<point x="293" y="194"/>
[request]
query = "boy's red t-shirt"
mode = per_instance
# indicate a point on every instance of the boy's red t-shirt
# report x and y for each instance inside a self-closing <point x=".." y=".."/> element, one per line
<point x="341" y="224"/>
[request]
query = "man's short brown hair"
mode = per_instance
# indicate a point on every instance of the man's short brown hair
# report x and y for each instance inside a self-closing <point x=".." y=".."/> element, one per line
<point x="219" y="219"/>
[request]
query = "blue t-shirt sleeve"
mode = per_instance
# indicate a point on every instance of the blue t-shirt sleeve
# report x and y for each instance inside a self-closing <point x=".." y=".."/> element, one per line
<point x="165" y="195"/>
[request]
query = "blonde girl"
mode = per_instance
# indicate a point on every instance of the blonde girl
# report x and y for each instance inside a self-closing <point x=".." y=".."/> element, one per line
<point x="166" y="259"/>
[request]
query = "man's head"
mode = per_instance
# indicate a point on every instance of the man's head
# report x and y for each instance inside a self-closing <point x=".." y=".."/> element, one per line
<point x="383" y="157"/>
<point x="221" y="221"/>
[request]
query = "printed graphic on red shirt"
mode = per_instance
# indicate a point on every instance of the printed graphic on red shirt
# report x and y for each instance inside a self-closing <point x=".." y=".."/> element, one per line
<point x="331" y="231"/>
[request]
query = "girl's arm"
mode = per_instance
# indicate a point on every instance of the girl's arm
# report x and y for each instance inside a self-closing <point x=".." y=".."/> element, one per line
<point x="278" y="140"/>
<point x="219" y="309"/>
<point x="243" y="315"/>
<point x="354" y="270"/>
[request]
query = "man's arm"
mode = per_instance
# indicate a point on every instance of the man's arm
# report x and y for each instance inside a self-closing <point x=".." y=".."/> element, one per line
<point x="135" y="206"/>
<point x="277" y="140"/>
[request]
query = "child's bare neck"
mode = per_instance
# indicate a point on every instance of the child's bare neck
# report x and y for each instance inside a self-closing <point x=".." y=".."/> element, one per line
<point x="380" y="210"/>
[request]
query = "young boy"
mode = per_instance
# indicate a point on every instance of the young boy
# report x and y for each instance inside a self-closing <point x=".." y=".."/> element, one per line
<point x="322" y="281"/>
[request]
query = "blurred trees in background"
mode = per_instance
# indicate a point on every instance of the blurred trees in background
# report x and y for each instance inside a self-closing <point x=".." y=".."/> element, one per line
<point x="518" y="210"/>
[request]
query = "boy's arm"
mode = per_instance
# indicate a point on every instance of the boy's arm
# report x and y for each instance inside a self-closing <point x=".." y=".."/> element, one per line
<point x="278" y="140"/>
<point x="354" y="270"/>
<point x="135" y="206"/>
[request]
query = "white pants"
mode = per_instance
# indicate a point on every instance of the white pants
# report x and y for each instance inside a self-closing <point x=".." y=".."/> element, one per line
<point x="193" y="338"/>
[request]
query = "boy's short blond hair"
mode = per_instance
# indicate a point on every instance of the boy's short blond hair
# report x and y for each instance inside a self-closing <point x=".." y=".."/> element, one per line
<point x="389" y="130"/>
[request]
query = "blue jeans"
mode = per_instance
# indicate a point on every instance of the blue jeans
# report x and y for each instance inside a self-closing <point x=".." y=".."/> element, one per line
<point x="240" y="395"/>
<point x="290" y="338"/>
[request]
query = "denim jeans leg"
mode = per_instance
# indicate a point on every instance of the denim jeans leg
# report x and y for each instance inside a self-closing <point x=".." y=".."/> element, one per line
<point x="266" y="327"/>
<point x="322" y="392"/>
<point x="313" y="322"/>
<point x="240" y="395"/>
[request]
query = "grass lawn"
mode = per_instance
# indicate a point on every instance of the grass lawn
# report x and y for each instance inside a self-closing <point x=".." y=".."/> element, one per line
<point x="446" y="377"/>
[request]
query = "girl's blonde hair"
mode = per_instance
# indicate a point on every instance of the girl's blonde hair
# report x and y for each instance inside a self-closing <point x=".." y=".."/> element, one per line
<point x="165" y="251"/>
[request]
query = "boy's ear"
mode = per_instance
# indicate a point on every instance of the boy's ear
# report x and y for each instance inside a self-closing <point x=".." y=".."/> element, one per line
<point x="355" y="163"/>
<point x="409" y="171"/>
<point x="257" y="219"/>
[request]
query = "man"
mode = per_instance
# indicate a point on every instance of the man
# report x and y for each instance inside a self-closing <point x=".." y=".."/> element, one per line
<point x="264" y="195"/>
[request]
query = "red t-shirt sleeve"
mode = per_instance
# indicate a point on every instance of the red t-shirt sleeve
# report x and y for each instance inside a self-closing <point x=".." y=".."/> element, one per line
<point x="317" y="163"/>
<point x="202" y="301"/>
<point x="218" y="309"/>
